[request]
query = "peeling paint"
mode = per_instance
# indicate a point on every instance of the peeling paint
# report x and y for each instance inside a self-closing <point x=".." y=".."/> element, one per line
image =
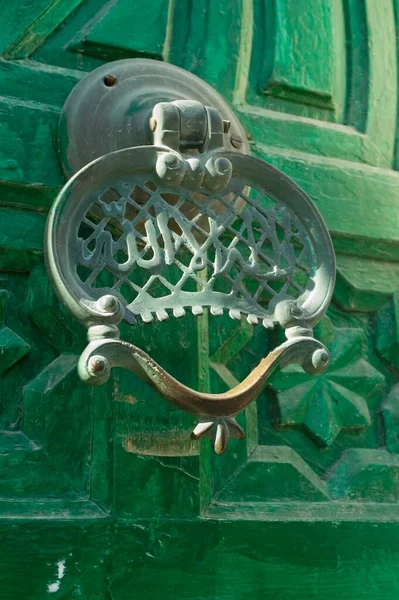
<point x="55" y="586"/>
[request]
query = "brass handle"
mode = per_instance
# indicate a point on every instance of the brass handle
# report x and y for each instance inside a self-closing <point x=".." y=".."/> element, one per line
<point x="215" y="410"/>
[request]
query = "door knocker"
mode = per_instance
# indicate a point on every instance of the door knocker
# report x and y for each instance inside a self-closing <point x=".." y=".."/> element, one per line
<point x="245" y="236"/>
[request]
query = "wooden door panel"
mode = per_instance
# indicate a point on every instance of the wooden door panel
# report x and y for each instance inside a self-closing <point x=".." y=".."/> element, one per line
<point x="50" y="446"/>
<point x="203" y="559"/>
<point x="334" y="63"/>
<point x="272" y="94"/>
<point x="308" y="440"/>
<point x="301" y="67"/>
<point x="133" y="501"/>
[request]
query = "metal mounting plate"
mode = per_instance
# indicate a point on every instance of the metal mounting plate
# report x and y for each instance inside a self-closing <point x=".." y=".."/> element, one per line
<point x="110" y="108"/>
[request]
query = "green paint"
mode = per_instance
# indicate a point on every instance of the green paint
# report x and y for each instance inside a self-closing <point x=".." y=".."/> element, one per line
<point x="21" y="239"/>
<point x="387" y="341"/>
<point x="106" y="39"/>
<point x="308" y="79"/>
<point x="335" y="400"/>
<point x="38" y="31"/>
<point x="102" y="495"/>
<point x="390" y="415"/>
<point x="364" y="285"/>
<point x="12" y="346"/>
<point x="360" y="472"/>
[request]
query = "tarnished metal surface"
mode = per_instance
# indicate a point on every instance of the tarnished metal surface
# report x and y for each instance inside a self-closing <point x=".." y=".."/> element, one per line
<point x="124" y="237"/>
<point x="216" y="410"/>
<point x="183" y="224"/>
<point x="109" y="109"/>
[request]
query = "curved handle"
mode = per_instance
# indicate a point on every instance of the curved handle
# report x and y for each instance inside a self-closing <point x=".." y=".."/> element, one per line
<point x="215" y="410"/>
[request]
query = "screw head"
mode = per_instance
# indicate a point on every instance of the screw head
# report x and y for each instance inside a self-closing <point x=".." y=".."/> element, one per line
<point x="222" y="166"/>
<point x="172" y="161"/>
<point x="236" y="141"/>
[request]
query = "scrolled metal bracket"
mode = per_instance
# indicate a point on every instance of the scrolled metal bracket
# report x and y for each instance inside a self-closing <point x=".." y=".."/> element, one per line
<point x="239" y="234"/>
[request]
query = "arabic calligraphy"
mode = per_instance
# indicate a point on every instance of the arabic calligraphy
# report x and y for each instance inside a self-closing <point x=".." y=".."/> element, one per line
<point x="164" y="244"/>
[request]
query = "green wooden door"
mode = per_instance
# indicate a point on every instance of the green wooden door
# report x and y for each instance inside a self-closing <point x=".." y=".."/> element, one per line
<point x="102" y="493"/>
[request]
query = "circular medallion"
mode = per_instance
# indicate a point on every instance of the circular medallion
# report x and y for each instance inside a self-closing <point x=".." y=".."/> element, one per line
<point x="110" y="109"/>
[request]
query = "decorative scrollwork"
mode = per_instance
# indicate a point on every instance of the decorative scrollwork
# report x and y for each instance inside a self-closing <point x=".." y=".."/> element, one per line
<point x="214" y="410"/>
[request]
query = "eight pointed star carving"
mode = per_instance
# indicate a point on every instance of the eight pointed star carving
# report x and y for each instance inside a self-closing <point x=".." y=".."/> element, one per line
<point x="336" y="399"/>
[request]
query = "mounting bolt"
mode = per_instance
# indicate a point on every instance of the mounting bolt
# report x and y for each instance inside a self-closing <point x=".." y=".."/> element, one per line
<point x="324" y="357"/>
<point x="226" y="126"/>
<point x="153" y="124"/>
<point x="96" y="364"/>
<point x="236" y="141"/>
<point x="320" y="360"/>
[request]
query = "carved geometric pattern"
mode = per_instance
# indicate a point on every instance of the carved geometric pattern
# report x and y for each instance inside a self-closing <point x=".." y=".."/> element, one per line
<point x="284" y="138"/>
<point x="387" y="331"/>
<point x="370" y="473"/>
<point x="105" y="38"/>
<point x="338" y="176"/>
<point x="336" y="399"/>
<point x="45" y="453"/>
<point x="348" y="473"/>
<point x="390" y="418"/>
<point x="12" y="346"/>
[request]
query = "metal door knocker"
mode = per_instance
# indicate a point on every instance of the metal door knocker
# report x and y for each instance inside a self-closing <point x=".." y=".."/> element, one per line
<point x="221" y="231"/>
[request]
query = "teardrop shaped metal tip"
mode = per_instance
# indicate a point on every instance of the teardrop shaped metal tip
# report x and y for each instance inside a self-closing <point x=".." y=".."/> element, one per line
<point x="221" y="438"/>
<point x="201" y="430"/>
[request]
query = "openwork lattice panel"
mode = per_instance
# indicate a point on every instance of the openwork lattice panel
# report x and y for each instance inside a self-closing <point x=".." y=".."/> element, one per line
<point x="161" y="251"/>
